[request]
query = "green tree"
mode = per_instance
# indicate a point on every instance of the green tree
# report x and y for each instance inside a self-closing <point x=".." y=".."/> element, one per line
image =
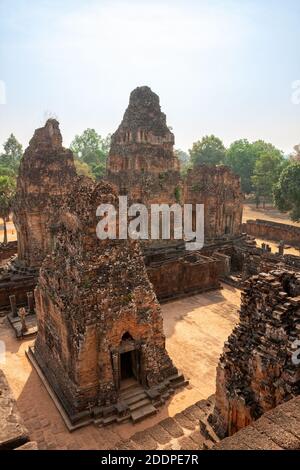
<point x="7" y="192"/>
<point x="12" y="154"/>
<point x="184" y="160"/>
<point x="209" y="150"/>
<point x="268" y="167"/>
<point x="92" y="149"/>
<point x="83" y="168"/>
<point x="287" y="191"/>
<point x="241" y="158"/>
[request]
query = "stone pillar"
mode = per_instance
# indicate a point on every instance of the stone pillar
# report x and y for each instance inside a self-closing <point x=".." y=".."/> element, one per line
<point x="13" y="305"/>
<point x="143" y="377"/>
<point x="137" y="361"/>
<point x="281" y="248"/>
<point x="30" y="302"/>
<point x="116" y="369"/>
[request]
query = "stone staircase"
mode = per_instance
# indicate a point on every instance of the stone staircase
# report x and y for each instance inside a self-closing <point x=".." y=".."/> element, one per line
<point x="207" y="431"/>
<point x="136" y="403"/>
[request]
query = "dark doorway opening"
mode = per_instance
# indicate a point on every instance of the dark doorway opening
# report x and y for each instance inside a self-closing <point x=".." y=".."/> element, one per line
<point x="126" y="365"/>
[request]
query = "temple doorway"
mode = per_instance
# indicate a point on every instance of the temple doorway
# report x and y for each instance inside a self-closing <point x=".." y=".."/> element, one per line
<point x="126" y="365"/>
<point x="129" y="359"/>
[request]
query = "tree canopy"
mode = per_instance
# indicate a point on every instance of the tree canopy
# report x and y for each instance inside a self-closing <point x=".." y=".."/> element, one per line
<point x="269" y="164"/>
<point x="10" y="158"/>
<point x="209" y="150"/>
<point x="184" y="160"/>
<point x="92" y="149"/>
<point x="241" y="157"/>
<point x="287" y="191"/>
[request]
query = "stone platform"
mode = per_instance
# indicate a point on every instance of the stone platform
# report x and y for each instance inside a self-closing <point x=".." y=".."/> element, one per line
<point x="16" y="325"/>
<point x="135" y="402"/>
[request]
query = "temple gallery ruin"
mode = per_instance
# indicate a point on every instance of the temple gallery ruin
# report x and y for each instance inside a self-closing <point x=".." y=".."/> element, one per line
<point x="94" y="306"/>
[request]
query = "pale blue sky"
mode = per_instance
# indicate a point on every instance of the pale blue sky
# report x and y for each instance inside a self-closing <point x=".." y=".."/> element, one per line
<point x="222" y="67"/>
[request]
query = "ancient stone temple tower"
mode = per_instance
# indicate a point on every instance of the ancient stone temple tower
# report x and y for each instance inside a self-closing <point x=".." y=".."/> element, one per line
<point x="46" y="174"/>
<point x="141" y="160"/>
<point x="219" y="189"/>
<point x="143" y="140"/>
<point x="144" y="167"/>
<point x="259" y="367"/>
<point x="100" y="326"/>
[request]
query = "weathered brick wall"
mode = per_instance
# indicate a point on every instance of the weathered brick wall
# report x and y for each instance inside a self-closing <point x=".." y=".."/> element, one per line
<point x="187" y="275"/>
<point x="273" y="231"/>
<point x="278" y="429"/>
<point x="13" y="434"/>
<point x="6" y="251"/>
<point x="256" y="371"/>
<point x="220" y="192"/>
<point x="18" y="286"/>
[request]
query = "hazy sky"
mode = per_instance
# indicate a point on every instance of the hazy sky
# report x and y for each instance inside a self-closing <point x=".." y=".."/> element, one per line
<point x="222" y="67"/>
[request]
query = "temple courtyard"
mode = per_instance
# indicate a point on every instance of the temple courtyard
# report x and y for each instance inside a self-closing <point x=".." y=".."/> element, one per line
<point x="195" y="328"/>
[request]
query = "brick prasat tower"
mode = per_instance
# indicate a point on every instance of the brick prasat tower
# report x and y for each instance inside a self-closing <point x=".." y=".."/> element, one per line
<point x="141" y="160"/>
<point x="46" y="174"/>
<point x="100" y="328"/>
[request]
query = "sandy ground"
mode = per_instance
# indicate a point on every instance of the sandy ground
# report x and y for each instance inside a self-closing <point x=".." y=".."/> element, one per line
<point x="274" y="247"/>
<point x="11" y="232"/>
<point x="272" y="214"/>
<point x="195" y="329"/>
<point x="269" y="213"/>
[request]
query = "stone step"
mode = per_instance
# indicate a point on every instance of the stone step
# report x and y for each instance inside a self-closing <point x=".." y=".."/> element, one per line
<point x="131" y="393"/>
<point x="108" y="420"/>
<point x="176" y="385"/>
<point x="135" y="398"/>
<point x="123" y="419"/>
<point x="144" y="412"/>
<point x="207" y="444"/>
<point x="139" y="404"/>
<point x="176" y="377"/>
<point x="207" y="431"/>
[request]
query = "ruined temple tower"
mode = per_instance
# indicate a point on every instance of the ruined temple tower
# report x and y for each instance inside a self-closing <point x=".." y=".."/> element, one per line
<point x="100" y="327"/>
<point x="141" y="160"/>
<point x="259" y="367"/>
<point x="143" y="165"/>
<point x="46" y="174"/>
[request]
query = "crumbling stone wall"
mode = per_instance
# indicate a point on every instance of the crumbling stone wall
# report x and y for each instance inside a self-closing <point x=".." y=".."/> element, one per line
<point x="7" y="251"/>
<point x="90" y="294"/>
<point x="186" y="275"/>
<point x="46" y="174"/>
<point x="219" y="189"/>
<point x="266" y="229"/>
<point x="256" y="371"/>
<point x="13" y="433"/>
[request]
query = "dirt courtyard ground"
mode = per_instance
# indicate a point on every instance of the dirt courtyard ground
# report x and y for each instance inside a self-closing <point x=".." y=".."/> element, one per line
<point x="195" y="328"/>
<point x="250" y="212"/>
